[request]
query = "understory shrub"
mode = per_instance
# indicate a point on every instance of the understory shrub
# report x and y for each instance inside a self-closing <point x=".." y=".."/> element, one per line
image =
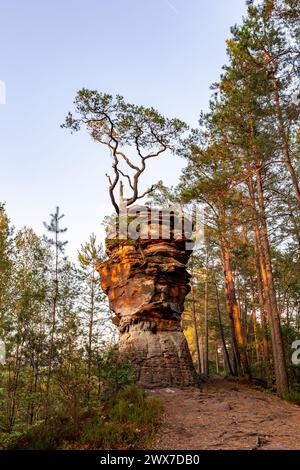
<point x="126" y="419"/>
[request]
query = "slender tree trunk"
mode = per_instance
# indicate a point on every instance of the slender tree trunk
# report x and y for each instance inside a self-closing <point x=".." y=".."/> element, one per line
<point x="206" y="362"/>
<point x="90" y="337"/>
<point x="53" y="323"/>
<point x="287" y="312"/>
<point x="276" y="335"/>
<point x="51" y="348"/>
<point x="35" y="371"/>
<point x="201" y="343"/>
<point x="226" y="354"/>
<point x="194" y="316"/>
<point x="295" y="225"/>
<point x="234" y="311"/>
<point x="260" y="270"/>
<point x="234" y="344"/>
<point x="15" y="384"/>
<point x="217" y="357"/>
<point x="284" y="140"/>
<point x="255" y="328"/>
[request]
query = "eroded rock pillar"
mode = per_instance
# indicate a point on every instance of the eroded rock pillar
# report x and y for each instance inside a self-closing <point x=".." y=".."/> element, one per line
<point x="146" y="282"/>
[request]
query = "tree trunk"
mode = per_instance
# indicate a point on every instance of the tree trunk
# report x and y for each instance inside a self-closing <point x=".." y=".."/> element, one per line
<point x="90" y="337"/>
<point x="260" y="269"/>
<point x="217" y="357"/>
<point x="206" y="362"/>
<point x="234" y="344"/>
<point x="276" y="335"/>
<point x="284" y="140"/>
<point x="53" y="324"/>
<point x="234" y="311"/>
<point x="255" y="328"/>
<point x="226" y="354"/>
<point x="194" y="316"/>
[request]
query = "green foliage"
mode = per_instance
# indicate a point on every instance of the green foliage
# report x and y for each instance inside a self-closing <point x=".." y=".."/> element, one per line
<point x="293" y="397"/>
<point x="115" y="371"/>
<point x="243" y="166"/>
<point x="97" y="110"/>
<point x="52" y="312"/>
<point x="131" y="404"/>
<point x="131" y="417"/>
<point x="44" y="436"/>
<point x="126" y="419"/>
<point x="136" y="130"/>
<point x="100" y="434"/>
<point x="294" y="377"/>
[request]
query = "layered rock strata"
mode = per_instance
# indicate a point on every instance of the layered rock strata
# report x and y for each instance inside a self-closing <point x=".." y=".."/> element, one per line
<point x="146" y="282"/>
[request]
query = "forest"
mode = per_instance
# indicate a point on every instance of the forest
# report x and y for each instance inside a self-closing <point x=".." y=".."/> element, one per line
<point x="63" y="382"/>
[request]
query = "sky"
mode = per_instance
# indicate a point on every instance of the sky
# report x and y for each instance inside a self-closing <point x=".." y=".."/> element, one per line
<point x="160" y="53"/>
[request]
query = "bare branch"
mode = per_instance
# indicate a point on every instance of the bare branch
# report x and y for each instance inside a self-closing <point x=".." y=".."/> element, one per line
<point x="128" y="178"/>
<point x="109" y="178"/>
<point x="148" y="191"/>
<point x="114" y="123"/>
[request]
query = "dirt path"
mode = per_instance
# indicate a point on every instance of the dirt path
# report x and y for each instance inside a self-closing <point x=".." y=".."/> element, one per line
<point x="227" y="415"/>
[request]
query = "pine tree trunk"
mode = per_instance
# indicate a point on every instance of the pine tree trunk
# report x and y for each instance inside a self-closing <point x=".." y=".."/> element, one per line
<point x="234" y="344"/>
<point x="206" y="362"/>
<point x="225" y="350"/>
<point x="284" y="140"/>
<point x="276" y="335"/>
<point x="260" y="268"/>
<point x="53" y="323"/>
<point x="233" y="310"/>
<point x="255" y="328"/>
<point x="90" y="337"/>
<point x="194" y="316"/>
<point x="217" y="357"/>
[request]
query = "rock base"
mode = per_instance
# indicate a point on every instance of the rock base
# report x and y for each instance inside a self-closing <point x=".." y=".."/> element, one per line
<point x="161" y="359"/>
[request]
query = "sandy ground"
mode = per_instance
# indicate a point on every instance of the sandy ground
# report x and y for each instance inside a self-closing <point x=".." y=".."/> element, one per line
<point x="225" y="414"/>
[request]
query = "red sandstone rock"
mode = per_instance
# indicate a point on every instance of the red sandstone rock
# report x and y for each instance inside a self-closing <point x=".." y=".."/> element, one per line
<point x="146" y="282"/>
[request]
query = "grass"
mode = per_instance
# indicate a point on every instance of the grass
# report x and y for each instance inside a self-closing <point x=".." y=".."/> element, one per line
<point x="131" y="418"/>
<point x="127" y="420"/>
<point x="132" y="405"/>
<point x="293" y="397"/>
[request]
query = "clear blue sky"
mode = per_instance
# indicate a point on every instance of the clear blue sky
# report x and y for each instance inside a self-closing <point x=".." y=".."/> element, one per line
<point x="161" y="53"/>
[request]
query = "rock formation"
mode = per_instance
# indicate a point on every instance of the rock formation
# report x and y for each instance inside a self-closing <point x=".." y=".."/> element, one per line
<point x="146" y="281"/>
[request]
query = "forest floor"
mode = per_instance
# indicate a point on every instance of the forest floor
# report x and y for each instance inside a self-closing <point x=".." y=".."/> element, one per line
<point x="224" y="414"/>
